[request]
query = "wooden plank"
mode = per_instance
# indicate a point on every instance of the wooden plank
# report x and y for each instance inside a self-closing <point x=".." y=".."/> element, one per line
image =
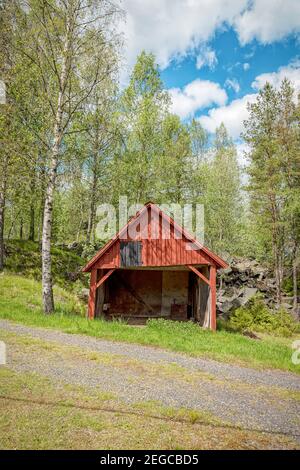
<point x="213" y="315"/>
<point x="199" y="274"/>
<point x="92" y="295"/>
<point x="103" y="279"/>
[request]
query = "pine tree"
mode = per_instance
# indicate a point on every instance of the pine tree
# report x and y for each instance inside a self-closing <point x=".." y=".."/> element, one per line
<point x="266" y="184"/>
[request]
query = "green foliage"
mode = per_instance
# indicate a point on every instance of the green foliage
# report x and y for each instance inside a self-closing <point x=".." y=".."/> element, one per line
<point x="218" y="179"/>
<point x="256" y="316"/>
<point x="287" y="284"/>
<point x="143" y="109"/>
<point x="127" y="142"/>
<point x="272" y="133"/>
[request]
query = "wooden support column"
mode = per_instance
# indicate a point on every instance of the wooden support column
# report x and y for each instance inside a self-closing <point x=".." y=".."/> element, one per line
<point x="199" y="274"/>
<point x="106" y="276"/>
<point x="213" y="297"/>
<point x="92" y="295"/>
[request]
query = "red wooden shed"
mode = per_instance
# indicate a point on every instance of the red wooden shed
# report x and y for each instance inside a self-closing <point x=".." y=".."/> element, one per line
<point x="152" y="268"/>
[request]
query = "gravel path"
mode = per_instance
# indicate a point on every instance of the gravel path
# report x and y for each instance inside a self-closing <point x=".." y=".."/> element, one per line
<point x="239" y="395"/>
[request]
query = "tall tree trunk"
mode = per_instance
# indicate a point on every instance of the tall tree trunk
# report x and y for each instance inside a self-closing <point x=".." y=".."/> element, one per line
<point x="277" y="248"/>
<point x="92" y="211"/>
<point x="32" y="210"/>
<point x="31" y="223"/>
<point x="89" y="227"/>
<point x="92" y="214"/>
<point x="2" y="208"/>
<point x="48" y="300"/>
<point x="21" y="228"/>
<point x="41" y="202"/>
<point x="277" y="273"/>
<point x="295" y="287"/>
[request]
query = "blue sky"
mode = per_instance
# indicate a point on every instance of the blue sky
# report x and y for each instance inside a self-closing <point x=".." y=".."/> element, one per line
<point x="215" y="55"/>
<point x="231" y="56"/>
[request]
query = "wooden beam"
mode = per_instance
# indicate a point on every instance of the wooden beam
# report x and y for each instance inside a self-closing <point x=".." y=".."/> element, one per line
<point x="92" y="295"/>
<point x="213" y="314"/>
<point x="103" y="278"/>
<point x="195" y="270"/>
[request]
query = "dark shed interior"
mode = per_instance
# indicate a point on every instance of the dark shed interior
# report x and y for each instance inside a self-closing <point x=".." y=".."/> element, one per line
<point x="138" y="294"/>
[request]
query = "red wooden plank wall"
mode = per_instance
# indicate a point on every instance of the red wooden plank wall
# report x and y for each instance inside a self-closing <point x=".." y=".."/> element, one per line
<point x="167" y="250"/>
<point x="111" y="258"/>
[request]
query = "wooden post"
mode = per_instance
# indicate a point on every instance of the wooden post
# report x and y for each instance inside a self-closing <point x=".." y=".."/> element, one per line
<point x="195" y="270"/>
<point x="92" y="295"/>
<point x="213" y="314"/>
<point x="103" y="278"/>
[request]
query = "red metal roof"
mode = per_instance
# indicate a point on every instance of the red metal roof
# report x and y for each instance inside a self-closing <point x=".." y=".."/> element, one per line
<point x="157" y="251"/>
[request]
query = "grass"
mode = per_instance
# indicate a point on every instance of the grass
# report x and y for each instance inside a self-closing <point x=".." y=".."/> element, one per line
<point x="20" y="301"/>
<point x="79" y="418"/>
<point x="24" y="258"/>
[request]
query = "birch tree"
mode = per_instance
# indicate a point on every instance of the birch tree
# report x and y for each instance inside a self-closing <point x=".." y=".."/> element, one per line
<point x="65" y="41"/>
<point x="101" y="138"/>
<point x="221" y="194"/>
<point x="143" y="108"/>
<point x="6" y="135"/>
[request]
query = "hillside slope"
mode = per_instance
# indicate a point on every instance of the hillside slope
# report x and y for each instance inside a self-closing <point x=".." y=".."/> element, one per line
<point x="24" y="257"/>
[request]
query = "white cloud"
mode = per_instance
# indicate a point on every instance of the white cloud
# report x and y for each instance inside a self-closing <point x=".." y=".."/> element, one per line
<point x="268" y="20"/>
<point x="233" y="83"/>
<point x="246" y="66"/>
<point x="231" y="115"/>
<point x="207" y="57"/>
<point x="196" y="95"/>
<point x="173" y="28"/>
<point x="290" y="71"/>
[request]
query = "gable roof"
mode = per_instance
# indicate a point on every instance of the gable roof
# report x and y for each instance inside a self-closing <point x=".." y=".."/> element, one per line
<point x="220" y="263"/>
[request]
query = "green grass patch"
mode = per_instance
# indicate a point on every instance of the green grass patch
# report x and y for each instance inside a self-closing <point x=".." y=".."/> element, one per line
<point x="24" y="258"/>
<point x="20" y="301"/>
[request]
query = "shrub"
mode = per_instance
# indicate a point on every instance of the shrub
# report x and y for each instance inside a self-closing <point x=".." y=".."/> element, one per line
<point x="174" y="327"/>
<point x="255" y="315"/>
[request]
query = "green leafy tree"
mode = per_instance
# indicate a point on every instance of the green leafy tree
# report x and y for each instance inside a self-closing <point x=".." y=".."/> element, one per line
<point x="271" y="134"/>
<point x="143" y="109"/>
<point x="222" y="195"/>
<point x="62" y="40"/>
<point x="289" y="143"/>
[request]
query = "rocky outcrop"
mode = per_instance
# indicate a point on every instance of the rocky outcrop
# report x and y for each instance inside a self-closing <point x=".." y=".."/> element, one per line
<point x="241" y="281"/>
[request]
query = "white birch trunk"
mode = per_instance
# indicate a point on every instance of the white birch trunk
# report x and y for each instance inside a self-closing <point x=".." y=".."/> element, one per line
<point x="48" y="301"/>
<point x="295" y="286"/>
<point x="47" y="285"/>
<point x="2" y="210"/>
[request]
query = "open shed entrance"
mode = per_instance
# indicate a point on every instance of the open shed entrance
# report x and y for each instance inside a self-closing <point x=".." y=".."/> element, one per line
<point x="139" y="294"/>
